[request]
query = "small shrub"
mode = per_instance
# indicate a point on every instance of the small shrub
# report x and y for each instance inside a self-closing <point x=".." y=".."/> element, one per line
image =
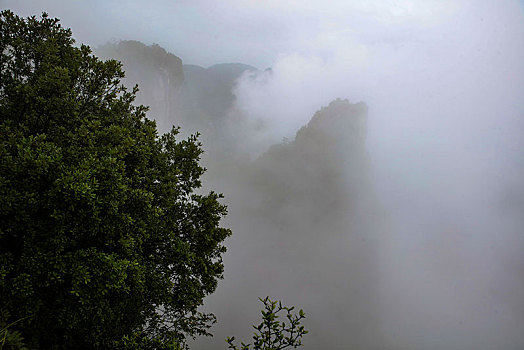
<point x="272" y="334"/>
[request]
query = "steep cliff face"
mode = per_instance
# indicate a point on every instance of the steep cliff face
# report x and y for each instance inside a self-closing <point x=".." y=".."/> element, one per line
<point x="306" y="223"/>
<point x="206" y="100"/>
<point x="339" y="125"/>
<point x="325" y="170"/>
<point x="158" y="73"/>
<point x="211" y="89"/>
<point x="195" y="98"/>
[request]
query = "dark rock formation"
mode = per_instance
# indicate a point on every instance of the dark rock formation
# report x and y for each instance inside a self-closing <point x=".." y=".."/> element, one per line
<point x="195" y="98"/>
<point x="325" y="170"/>
<point x="307" y="230"/>
<point x="158" y="73"/>
<point x="206" y="99"/>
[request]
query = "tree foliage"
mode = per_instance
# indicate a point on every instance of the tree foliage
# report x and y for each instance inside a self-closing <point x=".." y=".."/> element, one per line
<point x="272" y="334"/>
<point x="103" y="241"/>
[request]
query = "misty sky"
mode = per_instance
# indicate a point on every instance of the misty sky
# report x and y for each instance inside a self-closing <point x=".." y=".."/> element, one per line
<point x="361" y="50"/>
<point x="206" y="32"/>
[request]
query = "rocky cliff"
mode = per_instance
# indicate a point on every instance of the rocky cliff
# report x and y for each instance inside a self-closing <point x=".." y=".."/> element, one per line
<point x="324" y="172"/>
<point x="158" y="73"/>
<point x="307" y="230"/>
<point x="195" y="98"/>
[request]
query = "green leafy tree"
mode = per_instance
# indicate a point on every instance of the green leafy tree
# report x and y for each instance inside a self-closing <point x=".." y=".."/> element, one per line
<point x="10" y="339"/>
<point x="273" y="334"/>
<point x="104" y="242"/>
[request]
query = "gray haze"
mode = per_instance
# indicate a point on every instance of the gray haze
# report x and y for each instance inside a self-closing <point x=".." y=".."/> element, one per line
<point x="396" y="226"/>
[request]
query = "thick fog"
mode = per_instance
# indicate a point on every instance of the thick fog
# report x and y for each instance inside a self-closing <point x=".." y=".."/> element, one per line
<point x="395" y="223"/>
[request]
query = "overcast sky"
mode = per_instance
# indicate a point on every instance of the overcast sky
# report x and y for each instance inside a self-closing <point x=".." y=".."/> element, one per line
<point x="257" y="32"/>
<point x="402" y="51"/>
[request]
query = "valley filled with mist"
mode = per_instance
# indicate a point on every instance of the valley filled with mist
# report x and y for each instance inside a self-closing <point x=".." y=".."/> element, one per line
<point x="373" y="173"/>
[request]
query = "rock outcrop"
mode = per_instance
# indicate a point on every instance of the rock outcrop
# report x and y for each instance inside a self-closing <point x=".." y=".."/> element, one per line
<point x="325" y="171"/>
<point x="195" y="98"/>
<point x="158" y="73"/>
<point x="307" y="230"/>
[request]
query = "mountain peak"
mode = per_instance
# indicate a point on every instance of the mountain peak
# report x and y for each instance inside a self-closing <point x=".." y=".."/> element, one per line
<point x="340" y="119"/>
